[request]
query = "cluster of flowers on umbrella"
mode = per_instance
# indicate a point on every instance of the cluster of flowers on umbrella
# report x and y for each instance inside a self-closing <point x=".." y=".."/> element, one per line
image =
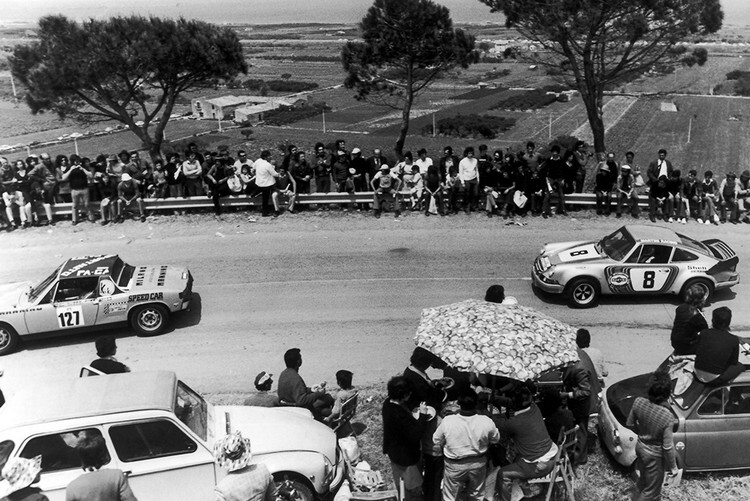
<point x="505" y="340"/>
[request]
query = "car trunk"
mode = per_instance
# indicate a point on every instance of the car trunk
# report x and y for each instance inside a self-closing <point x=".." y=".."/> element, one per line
<point x="621" y="395"/>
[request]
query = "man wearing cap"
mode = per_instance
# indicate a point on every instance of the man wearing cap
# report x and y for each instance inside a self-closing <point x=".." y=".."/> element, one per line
<point x="129" y="194"/>
<point x="263" y="397"/>
<point x="626" y="193"/>
<point x="244" y="481"/>
<point x="385" y="184"/>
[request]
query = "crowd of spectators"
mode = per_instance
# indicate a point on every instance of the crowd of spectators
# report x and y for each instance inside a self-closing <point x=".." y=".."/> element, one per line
<point x="504" y="183"/>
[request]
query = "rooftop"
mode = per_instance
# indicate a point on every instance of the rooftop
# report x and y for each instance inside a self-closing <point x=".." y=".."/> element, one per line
<point x="643" y="232"/>
<point x="87" y="265"/>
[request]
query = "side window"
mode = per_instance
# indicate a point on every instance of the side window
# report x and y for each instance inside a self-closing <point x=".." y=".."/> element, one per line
<point x="58" y="450"/>
<point x="681" y="256"/>
<point x="738" y="401"/>
<point x="149" y="440"/>
<point x="655" y="254"/>
<point x="73" y="289"/>
<point x="711" y="406"/>
<point x="633" y="258"/>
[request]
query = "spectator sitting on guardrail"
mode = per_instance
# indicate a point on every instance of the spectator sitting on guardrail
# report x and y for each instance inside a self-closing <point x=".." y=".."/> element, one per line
<point x="128" y="195"/>
<point x="108" y="192"/>
<point x="728" y="195"/>
<point x="285" y="187"/>
<point x="709" y="190"/>
<point x="658" y="200"/>
<point x="385" y="184"/>
<point x="159" y="187"/>
<point x="433" y="192"/>
<point x="626" y="192"/>
<point x="302" y="172"/>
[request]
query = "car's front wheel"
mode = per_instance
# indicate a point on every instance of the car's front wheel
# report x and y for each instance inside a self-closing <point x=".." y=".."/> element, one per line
<point x="149" y="319"/>
<point x="292" y="488"/>
<point x="705" y="287"/>
<point x="582" y="293"/>
<point x="8" y="339"/>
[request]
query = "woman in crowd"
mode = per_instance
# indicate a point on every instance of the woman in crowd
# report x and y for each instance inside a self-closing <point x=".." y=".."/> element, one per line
<point x="62" y="167"/>
<point x="689" y="322"/>
<point x="468" y="176"/>
<point x="654" y="422"/>
<point x="244" y="481"/>
<point x="18" y="476"/>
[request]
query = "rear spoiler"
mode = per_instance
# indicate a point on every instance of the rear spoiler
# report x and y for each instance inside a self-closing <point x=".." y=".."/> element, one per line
<point x="719" y="249"/>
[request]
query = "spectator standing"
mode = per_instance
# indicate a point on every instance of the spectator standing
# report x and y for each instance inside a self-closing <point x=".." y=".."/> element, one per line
<point x="361" y="176"/>
<point x="78" y="181"/>
<point x="468" y="175"/>
<point x="554" y="171"/>
<point x="242" y="160"/>
<point x="422" y="387"/>
<point x="44" y="173"/>
<point x="106" y="349"/>
<point x="129" y="194"/>
<point x="62" y="167"/>
<point x="302" y="172"/>
<point x="376" y="161"/>
<point x="744" y="195"/>
<point x="689" y="322"/>
<point x="448" y="164"/>
<point x="603" y="189"/>
<point x="465" y="439"/>
<point x="423" y="161"/>
<point x="658" y="168"/>
<point x="244" y="481"/>
<point x="193" y="172"/>
<point x="433" y="191"/>
<point x="581" y="158"/>
<point x="402" y="433"/>
<point x="583" y="340"/>
<point x="532" y="158"/>
<point x="18" y="477"/>
<point x="626" y="192"/>
<point x="655" y="448"/>
<point x="265" y="180"/>
<point x="581" y="389"/>
<point x="129" y="166"/>
<point x="557" y="417"/>
<point x="175" y="177"/>
<point x="193" y="148"/>
<point x="340" y="173"/>
<point x="718" y="350"/>
<point x="159" y="177"/>
<point x="263" y="396"/>
<point x="115" y="168"/>
<point x="109" y="484"/>
<point x="322" y="169"/>
<point x="292" y="388"/>
<point x="291" y="153"/>
<point x="12" y="194"/>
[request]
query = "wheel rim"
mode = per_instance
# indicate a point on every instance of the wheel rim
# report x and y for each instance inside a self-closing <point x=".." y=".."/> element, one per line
<point x="150" y="319"/>
<point x="4" y="338"/>
<point x="583" y="293"/>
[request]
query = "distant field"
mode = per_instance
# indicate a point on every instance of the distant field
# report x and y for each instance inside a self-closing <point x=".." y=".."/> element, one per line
<point x="695" y="80"/>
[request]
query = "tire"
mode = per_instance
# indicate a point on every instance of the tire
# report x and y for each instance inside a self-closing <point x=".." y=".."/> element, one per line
<point x="149" y="319"/>
<point x="8" y="339"/>
<point x="291" y="488"/>
<point x="583" y="293"/>
<point x="708" y="287"/>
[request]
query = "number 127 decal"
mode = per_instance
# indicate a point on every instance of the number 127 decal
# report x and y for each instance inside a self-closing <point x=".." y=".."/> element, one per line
<point x="70" y="316"/>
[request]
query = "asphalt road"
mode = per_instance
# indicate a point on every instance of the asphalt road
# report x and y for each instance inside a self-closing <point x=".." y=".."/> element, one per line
<point x="345" y="288"/>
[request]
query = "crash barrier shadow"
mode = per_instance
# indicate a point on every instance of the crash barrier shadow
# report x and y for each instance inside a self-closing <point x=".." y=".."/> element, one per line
<point x="318" y="199"/>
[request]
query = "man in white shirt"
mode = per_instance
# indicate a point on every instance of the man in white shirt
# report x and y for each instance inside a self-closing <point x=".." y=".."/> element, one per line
<point x="659" y="167"/>
<point x="465" y="438"/>
<point x="242" y="160"/>
<point x="265" y="180"/>
<point x="423" y="162"/>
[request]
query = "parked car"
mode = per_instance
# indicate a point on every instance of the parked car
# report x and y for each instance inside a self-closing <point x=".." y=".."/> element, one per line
<point x="634" y="260"/>
<point x="713" y="427"/>
<point x="161" y="434"/>
<point x="88" y="292"/>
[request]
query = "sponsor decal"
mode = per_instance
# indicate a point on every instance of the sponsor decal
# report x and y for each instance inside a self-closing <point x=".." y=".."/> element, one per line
<point x="69" y="316"/>
<point x="112" y="308"/>
<point x="79" y="269"/>
<point x="145" y="297"/>
<point x="696" y="268"/>
<point x="619" y="279"/>
<point x="26" y="310"/>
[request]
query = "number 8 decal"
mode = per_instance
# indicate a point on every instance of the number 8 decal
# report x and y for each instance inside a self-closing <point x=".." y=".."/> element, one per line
<point x="579" y="253"/>
<point x="648" y="279"/>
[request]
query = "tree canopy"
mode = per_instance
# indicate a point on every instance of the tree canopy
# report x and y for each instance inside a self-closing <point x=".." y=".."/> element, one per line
<point x="598" y="43"/>
<point x="128" y="69"/>
<point x="406" y="45"/>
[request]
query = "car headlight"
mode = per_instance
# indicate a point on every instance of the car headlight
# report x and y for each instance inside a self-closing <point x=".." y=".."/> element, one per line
<point x="330" y="470"/>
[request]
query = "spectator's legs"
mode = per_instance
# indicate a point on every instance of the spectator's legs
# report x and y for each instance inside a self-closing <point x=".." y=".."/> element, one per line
<point x="75" y="205"/>
<point x="607" y="201"/>
<point x="599" y="201"/>
<point x="634" y="209"/>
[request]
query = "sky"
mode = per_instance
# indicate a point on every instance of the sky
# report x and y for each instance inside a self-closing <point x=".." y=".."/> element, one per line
<point x="263" y="11"/>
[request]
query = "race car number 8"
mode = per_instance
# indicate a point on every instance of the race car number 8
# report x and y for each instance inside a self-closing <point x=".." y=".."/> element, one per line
<point x="71" y="316"/>
<point x="579" y="253"/>
<point x="648" y="279"/>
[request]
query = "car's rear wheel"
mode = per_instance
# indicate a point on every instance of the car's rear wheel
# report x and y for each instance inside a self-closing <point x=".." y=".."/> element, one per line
<point x="292" y="488"/>
<point x="704" y="284"/>
<point x="149" y="319"/>
<point x="583" y="293"/>
<point x="8" y="339"/>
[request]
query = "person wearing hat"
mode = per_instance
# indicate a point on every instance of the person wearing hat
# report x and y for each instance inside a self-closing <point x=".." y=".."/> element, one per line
<point x="244" y="481"/>
<point x="263" y="397"/>
<point x="106" y="349"/>
<point x="385" y="184"/>
<point x="626" y="193"/>
<point x="129" y="194"/>
<point x="18" y="476"/>
<point x="603" y="189"/>
<point x="97" y="483"/>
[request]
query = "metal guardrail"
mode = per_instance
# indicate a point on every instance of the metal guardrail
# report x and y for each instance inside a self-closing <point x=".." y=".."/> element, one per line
<point x="203" y="202"/>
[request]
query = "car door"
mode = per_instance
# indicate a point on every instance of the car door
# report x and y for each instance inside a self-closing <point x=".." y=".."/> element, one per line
<point x="73" y="303"/>
<point x="718" y="430"/>
<point x="113" y="302"/>
<point x="60" y="462"/>
<point x="163" y="460"/>
<point x="649" y="270"/>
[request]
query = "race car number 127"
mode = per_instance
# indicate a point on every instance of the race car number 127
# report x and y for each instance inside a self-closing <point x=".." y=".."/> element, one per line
<point x="70" y="316"/>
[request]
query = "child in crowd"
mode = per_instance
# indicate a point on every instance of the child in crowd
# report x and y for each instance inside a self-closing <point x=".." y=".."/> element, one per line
<point x="346" y="391"/>
<point x="710" y="190"/>
<point x="415" y="184"/>
<point x="159" y="187"/>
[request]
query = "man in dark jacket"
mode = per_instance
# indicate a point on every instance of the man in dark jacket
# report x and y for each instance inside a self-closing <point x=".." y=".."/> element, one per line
<point x="717" y="354"/>
<point x="293" y="390"/>
<point x="106" y="349"/>
<point x="581" y="389"/>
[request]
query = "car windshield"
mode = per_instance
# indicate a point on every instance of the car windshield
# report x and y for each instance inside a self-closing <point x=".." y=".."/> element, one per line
<point x="191" y="409"/>
<point x="36" y="291"/>
<point x="694" y="244"/>
<point x="617" y="245"/>
<point x="122" y="272"/>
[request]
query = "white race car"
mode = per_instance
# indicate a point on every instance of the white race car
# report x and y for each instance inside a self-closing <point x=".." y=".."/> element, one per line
<point x="91" y="291"/>
<point x="635" y="259"/>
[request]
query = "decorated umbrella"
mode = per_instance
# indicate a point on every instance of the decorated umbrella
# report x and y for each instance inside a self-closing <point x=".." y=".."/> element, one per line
<point x="502" y="340"/>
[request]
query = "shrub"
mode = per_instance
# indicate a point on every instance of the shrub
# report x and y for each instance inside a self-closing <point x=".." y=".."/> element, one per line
<point x="701" y="56"/>
<point x="689" y="61"/>
<point x="289" y="114"/>
<point x="735" y="74"/>
<point x="529" y="100"/>
<point x="290" y="85"/>
<point x="742" y="87"/>
<point x="472" y="126"/>
<point x="252" y="83"/>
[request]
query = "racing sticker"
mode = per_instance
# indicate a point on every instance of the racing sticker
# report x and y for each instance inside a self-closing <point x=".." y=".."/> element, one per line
<point x="145" y="297"/>
<point x="69" y="316"/>
<point x="579" y="253"/>
<point x="629" y="279"/>
<point x="114" y="308"/>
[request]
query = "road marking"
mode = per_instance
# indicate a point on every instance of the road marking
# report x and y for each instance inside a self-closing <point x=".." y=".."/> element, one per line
<point x="363" y="280"/>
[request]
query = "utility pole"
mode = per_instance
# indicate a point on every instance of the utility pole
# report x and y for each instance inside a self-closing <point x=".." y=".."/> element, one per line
<point x="324" y="121"/>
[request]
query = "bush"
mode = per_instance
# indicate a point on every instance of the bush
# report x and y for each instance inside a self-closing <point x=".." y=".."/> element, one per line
<point x="529" y="100"/>
<point x="689" y="61"/>
<point x="742" y="87"/>
<point x="253" y="83"/>
<point x="701" y="56"/>
<point x="471" y="126"/>
<point x="290" y="85"/>
<point x="289" y="114"/>
<point x="735" y="74"/>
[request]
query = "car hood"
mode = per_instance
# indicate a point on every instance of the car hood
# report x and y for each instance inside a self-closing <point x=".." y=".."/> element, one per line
<point x="153" y="278"/>
<point x="621" y="395"/>
<point x="10" y="294"/>
<point x="570" y="252"/>
<point x="276" y="429"/>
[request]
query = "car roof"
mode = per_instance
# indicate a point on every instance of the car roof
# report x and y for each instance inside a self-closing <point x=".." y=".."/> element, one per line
<point x="86" y="265"/>
<point x="70" y="398"/>
<point x="645" y="233"/>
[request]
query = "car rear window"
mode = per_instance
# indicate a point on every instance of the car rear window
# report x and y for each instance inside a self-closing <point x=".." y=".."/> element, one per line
<point x="58" y="450"/>
<point x="150" y="440"/>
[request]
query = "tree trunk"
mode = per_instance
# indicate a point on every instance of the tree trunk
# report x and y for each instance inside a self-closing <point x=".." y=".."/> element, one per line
<point x="593" y="100"/>
<point x="405" y="114"/>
